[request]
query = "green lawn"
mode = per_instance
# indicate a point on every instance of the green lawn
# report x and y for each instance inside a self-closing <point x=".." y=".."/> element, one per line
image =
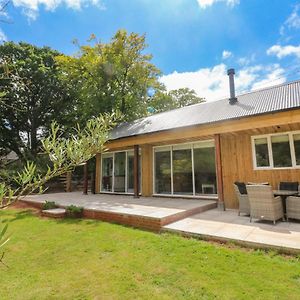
<point x="87" y="259"/>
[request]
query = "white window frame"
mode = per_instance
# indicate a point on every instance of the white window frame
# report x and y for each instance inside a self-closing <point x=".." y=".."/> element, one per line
<point x="126" y="172"/>
<point x="190" y="145"/>
<point x="290" y="135"/>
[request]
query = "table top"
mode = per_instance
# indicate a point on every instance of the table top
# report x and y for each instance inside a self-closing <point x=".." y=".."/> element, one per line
<point x="285" y="193"/>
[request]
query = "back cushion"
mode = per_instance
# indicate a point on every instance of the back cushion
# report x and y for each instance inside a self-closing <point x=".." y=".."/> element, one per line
<point x="290" y="186"/>
<point x="242" y="187"/>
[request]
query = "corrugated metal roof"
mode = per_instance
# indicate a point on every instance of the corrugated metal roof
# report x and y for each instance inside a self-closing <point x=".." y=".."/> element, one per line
<point x="277" y="98"/>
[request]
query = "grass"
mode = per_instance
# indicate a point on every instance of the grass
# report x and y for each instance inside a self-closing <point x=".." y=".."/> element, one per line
<point x="87" y="259"/>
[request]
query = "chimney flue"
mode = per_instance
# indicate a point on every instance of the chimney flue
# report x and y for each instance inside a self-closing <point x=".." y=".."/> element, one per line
<point x="232" y="98"/>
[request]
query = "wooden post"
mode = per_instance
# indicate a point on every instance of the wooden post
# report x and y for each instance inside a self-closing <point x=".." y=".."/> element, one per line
<point x="85" y="178"/>
<point x="147" y="166"/>
<point x="219" y="172"/>
<point x="98" y="173"/>
<point x="136" y="185"/>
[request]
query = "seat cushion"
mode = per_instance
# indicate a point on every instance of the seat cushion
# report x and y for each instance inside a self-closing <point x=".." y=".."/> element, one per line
<point x="242" y="187"/>
<point x="289" y="186"/>
<point x="258" y="183"/>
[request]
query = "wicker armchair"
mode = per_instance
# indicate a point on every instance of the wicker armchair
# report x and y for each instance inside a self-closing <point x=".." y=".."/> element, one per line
<point x="244" y="206"/>
<point x="263" y="204"/>
<point x="293" y="207"/>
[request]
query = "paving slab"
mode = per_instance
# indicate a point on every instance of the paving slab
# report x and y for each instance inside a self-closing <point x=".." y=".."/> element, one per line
<point x="227" y="225"/>
<point x="141" y="212"/>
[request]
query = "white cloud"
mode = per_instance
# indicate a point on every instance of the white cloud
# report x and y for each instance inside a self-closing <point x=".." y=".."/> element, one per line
<point x="212" y="83"/>
<point x="206" y="3"/>
<point x="246" y="60"/>
<point x="292" y="21"/>
<point x="31" y="7"/>
<point x="226" y="54"/>
<point x="282" y="51"/>
<point x="276" y="76"/>
<point x="3" y="37"/>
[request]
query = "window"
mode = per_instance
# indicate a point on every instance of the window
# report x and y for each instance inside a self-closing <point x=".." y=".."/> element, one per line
<point x="276" y="150"/>
<point x="262" y="152"/>
<point x="182" y="171"/>
<point x="281" y="151"/>
<point x="185" y="169"/>
<point x="117" y="172"/>
<point x="296" y="139"/>
<point x="163" y="171"/>
<point x="205" y="168"/>
<point x="107" y="171"/>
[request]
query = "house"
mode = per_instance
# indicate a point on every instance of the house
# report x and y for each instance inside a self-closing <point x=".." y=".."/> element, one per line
<point x="199" y="151"/>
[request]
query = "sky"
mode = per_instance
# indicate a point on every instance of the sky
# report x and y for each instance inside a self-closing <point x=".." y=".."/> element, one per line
<point x="193" y="42"/>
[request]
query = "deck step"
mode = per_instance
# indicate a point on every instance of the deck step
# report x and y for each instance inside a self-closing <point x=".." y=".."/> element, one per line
<point x="54" y="213"/>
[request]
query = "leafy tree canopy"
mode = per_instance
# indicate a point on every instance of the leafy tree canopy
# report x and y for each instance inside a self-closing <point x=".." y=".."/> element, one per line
<point x="114" y="75"/>
<point x="164" y="101"/>
<point x="32" y="96"/>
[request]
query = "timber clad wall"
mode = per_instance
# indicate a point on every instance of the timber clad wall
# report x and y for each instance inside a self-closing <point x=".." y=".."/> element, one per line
<point x="236" y="150"/>
<point x="237" y="163"/>
<point x="147" y="170"/>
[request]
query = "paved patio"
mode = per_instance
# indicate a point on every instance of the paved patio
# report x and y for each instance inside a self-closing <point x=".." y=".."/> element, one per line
<point x="228" y="226"/>
<point x="144" y="212"/>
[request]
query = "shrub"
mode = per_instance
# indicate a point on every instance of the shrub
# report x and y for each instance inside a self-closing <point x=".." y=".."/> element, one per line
<point x="74" y="211"/>
<point x="49" y="205"/>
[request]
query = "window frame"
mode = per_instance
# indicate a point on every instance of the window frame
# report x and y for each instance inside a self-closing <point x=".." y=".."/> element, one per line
<point x="190" y="146"/>
<point x="290" y="135"/>
<point x="112" y="153"/>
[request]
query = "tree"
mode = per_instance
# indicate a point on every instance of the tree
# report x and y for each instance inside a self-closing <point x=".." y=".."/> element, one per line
<point x="164" y="101"/>
<point x="34" y="96"/>
<point x="63" y="153"/>
<point x="114" y="75"/>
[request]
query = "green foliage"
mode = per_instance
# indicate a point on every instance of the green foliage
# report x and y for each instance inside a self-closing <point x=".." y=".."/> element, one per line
<point x="164" y="101"/>
<point x="109" y="76"/>
<point x="49" y="205"/>
<point x="3" y="240"/>
<point x="64" y="154"/>
<point x="74" y="211"/>
<point x="32" y="97"/>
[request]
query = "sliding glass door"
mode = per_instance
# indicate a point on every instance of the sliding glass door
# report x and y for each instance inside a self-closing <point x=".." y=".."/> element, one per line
<point x="182" y="170"/>
<point x="117" y="172"/>
<point x="205" y="168"/>
<point x="163" y="170"/>
<point x="120" y="172"/>
<point x="185" y="169"/>
<point x="107" y="172"/>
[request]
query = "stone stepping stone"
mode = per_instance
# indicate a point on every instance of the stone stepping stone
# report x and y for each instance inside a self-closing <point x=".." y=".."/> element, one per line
<point x="54" y="213"/>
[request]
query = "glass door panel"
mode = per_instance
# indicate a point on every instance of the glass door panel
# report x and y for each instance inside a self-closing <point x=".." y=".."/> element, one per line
<point x="107" y="173"/>
<point x="204" y="169"/>
<point x="130" y="178"/>
<point x="182" y="172"/>
<point x="163" y="171"/>
<point x="120" y="172"/>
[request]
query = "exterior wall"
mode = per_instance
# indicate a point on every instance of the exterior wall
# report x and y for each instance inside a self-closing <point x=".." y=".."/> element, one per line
<point x="236" y="150"/>
<point x="237" y="163"/>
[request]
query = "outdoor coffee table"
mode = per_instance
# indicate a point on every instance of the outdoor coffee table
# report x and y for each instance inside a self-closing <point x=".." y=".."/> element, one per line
<point x="284" y="194"/>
